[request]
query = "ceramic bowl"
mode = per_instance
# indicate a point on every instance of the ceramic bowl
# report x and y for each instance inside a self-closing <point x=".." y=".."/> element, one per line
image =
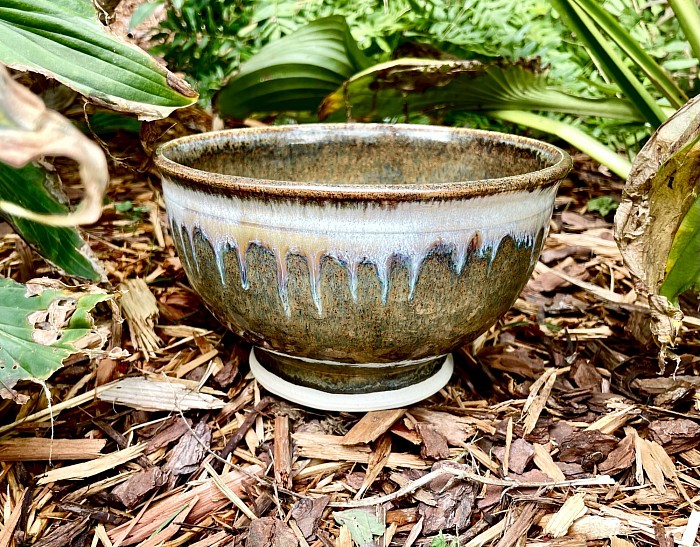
<point x="356" y="257"/>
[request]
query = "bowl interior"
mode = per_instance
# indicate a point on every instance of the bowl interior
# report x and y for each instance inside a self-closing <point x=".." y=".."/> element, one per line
<point x="344" y="155"/>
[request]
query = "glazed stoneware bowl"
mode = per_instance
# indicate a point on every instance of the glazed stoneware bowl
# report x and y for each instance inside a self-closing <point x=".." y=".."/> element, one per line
<point x="355" y="257"/>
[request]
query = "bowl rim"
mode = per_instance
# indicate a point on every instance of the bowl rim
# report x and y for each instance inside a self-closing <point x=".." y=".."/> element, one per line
<point x="241" y="185"/>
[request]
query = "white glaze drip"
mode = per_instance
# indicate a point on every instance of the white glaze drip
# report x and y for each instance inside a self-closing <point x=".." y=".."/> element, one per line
<point x="355" y="234"/>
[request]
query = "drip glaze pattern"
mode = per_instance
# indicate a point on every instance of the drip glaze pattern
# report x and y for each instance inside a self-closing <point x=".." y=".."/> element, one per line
<point x="356" y="257"/>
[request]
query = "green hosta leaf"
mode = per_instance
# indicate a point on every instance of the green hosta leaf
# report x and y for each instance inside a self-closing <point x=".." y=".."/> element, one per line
<point x="363" y="526"/>
<point x="64" y="40"/>
<point x="40" y="326"/>
<point x="413" y="86"/>
<point x="683" y="267"/>
<point x="654" y="239"/>
<point x="294" y="73"/>
<point x="61" y="246"/>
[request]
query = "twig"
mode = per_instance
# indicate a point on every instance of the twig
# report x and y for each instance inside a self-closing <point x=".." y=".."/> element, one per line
<point x="464" y="475"/>
<point x="245" y="426"/>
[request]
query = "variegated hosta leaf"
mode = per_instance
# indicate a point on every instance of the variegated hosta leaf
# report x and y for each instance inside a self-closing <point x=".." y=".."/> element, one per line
<point x="41" y="324"/>
<point x="64" y="40"/>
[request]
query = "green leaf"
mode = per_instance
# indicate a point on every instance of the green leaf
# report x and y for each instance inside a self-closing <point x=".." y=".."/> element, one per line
<point x="40" y="326"/>
<point x="414" y="86"/>
<point x="294" y="73"/>
<point x="65" y="40"/>
<point x="62" y="247"/>
<point x="610" y="61"/>
<point x="688" y="15"/>
<point x="105" y="124"/>
<point x="363" y="525"/>
<point x="604" y="205"/>
<point x="622" y="38"/>
<point x="143" y="12"/>
<point x="683" y="266"/>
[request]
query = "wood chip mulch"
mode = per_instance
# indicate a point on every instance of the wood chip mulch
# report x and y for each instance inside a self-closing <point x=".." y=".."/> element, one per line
<point x="556" y="429"/>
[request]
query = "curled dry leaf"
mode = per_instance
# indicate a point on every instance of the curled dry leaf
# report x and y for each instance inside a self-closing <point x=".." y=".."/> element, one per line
<point x="660" y="190"/>
<point x="28" y="130"/>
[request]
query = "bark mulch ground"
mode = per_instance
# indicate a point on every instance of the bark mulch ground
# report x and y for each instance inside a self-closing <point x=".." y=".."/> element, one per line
<point x="556" y="430"/>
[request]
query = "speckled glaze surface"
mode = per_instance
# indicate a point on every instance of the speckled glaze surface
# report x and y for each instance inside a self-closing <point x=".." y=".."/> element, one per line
<point x="357" y="257"/>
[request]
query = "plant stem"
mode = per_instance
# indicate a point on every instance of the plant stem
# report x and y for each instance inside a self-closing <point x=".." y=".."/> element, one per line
<point x="688" y="16"/>
<point x="595" y="149"/>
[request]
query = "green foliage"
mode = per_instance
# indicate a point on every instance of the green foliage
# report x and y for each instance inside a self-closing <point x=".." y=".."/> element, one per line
<point x="441" y="541"/>
<point x="40" y="327"/>
<point x="683" y="265"/>
<point x="61" y="247"/>
<point x="210" y="39"/>
<point x="584" y="23"/>
<point x="66" y="41"/>
<point x="411" y="86"/>
<point x="294" y="73"/>
<point x="603" y="205"/>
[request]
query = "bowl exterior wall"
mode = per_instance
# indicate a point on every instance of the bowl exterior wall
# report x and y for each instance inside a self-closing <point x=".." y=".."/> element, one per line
<point x="358" y="281"/>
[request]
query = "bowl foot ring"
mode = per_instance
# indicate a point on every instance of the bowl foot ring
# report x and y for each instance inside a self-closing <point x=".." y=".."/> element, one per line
<point x="352" y="402"/>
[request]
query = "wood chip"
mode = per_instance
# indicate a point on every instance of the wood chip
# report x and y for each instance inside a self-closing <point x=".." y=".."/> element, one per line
<point x="487" y="536"/>
<point x="616" y="541"/>
<point x="209" y="499"/>
<point x="537" y="400"/>
<point x="456" y="429"/>
<point x="621" y="458"/>
<point x="690" y="534"/>
<point x="344" y="537"/>
<point x="9" y="525"/>
<point x="308" y="512"/>
<point x="372" y="425"/>
<point x="434" y="442"/>
<point x="416" y="530"/>
<point x="169" y="433"/>
<point x="140" y="309"/>
<point x="544" y="462"/>
<point x="283" y="452"/>
<point x="228" y="492"/>
<point x="677" y="435"/>
<point x="508" y="446"/>
<point x="651" y="466"/>
<point x="25" y="449"/>
<point x="454" y="501"/>
<point x="377" y="460"/>
<point x="149" y="395"/>
<point x="175" y="521"/>
<point x="330" y="447"/>
<point x="519" y="526"/>
<point x="521" y="453"/>
<point x="573" y="509"/>
<point x="611" y="422"/>
<point x="270" y="532"/>
<point x="136" y="488"/>
<point x="593" y="527"/>
<point x="93" y="467"/>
